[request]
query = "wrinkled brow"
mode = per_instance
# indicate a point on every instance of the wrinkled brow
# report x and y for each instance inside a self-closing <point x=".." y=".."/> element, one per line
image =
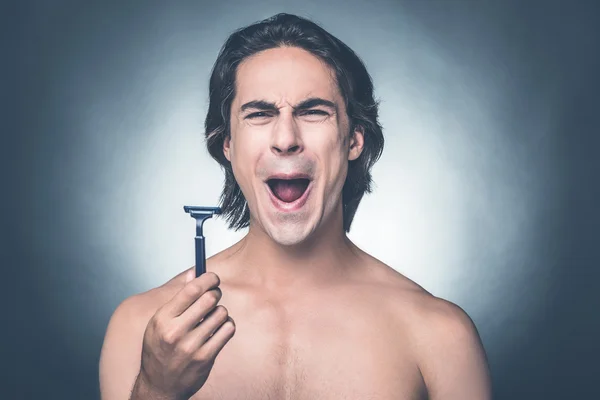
<point x="263" y="105"/>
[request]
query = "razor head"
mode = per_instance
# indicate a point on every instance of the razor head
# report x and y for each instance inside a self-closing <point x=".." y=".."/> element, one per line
<point x="199" y="210"/>
<point x="200" y="214"/>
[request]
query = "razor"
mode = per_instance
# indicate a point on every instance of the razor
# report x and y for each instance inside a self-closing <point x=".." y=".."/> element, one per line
<point x="200" y="214"/>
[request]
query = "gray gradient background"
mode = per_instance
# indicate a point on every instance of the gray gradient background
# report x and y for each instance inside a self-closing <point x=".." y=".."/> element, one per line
<point x="485" y="194"/>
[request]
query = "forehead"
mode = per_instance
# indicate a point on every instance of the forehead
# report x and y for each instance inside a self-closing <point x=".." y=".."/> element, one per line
<point x="284" y="74"/>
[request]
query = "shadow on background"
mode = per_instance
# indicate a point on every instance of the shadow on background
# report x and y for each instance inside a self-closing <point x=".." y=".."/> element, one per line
<point x="57" y="304"/>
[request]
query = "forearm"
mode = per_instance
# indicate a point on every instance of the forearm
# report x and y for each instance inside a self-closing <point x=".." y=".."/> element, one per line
<point x="142" y="390"/>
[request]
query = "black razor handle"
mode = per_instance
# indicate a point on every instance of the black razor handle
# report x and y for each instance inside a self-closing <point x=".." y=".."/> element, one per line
<point x="200" y="214"/>
<point x="200" y="256"/>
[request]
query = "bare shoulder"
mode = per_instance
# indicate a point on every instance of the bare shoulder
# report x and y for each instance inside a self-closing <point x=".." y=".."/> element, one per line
<point x="134" y="312"/>
<point x="120" y="357"/>
<point x="435" y="324"/>
<point x="446" y="343"/>
<point x="432" y="318"/>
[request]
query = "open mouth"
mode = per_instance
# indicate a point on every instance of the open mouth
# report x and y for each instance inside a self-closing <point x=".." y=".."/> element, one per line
<point x="288" y="190"/>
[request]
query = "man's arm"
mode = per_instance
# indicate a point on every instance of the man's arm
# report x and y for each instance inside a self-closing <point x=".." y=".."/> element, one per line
<point x="121" y="351"/>
<point x="453" y="361"/>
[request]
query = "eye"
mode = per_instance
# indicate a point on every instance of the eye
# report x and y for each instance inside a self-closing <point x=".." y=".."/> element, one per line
<point x="314" y="115"/>
<point x="314" y="112"/>
<point x="260" y="114"/>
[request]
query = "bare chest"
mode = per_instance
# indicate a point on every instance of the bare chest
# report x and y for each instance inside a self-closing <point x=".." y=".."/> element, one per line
<point x="314" y="353"/>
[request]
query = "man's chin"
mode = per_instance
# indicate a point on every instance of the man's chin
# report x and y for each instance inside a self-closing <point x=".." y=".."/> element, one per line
<point x="288" y="235"/>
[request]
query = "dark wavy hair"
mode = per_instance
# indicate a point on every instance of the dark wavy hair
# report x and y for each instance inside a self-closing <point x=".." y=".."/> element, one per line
<point x="354" y="83"/>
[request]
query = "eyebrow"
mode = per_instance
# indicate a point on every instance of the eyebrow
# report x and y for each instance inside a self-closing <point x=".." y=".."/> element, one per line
<point x="303" y="105"/>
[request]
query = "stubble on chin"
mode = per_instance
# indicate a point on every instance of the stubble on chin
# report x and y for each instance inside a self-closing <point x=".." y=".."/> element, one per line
<point x="290" y="232"/>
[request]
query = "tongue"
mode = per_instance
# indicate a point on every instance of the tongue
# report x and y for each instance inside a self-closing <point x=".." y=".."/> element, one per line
<point x="288" y="190"/>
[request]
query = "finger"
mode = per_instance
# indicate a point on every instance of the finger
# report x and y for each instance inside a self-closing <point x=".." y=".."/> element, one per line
<point x="190" y="275"/>
<point x="190" y="293"/>
<point x="213" y="321"/>
<point x="201" y="308"/>
<point x="218" y="340"/>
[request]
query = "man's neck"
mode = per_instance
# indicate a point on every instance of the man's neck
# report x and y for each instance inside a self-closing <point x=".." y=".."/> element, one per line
<point x="322" y="258"/>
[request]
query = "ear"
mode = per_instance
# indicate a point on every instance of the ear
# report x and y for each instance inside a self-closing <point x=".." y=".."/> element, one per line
<point x="357" y="141"/>
<point x="227" y="148"/>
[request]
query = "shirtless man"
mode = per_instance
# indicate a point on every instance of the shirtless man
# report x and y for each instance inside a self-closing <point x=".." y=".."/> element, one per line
<point x="315" y="316"/>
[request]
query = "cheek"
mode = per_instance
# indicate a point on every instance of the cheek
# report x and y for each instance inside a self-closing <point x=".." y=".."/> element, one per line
<point x="245" y="154"/>
<point x="335" y="161"/>
<point x="240" y="160"/>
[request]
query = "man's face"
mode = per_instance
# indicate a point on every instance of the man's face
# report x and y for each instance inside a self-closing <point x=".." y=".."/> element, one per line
<point x="290" y="142"/>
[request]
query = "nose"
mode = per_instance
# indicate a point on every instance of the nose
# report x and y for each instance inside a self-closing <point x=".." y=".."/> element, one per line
<point x="286" y="136"/>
